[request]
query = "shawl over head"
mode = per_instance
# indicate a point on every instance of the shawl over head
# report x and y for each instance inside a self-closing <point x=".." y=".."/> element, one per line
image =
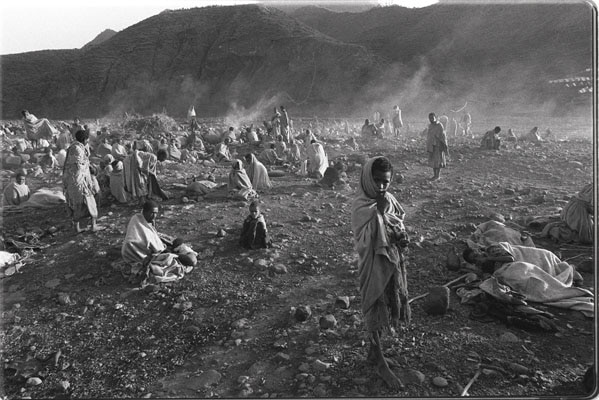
<point x="257" y="173"/>
<point x="238" y="178"/>
<point x="141" y="239"/>
<point x="378" y="258"/>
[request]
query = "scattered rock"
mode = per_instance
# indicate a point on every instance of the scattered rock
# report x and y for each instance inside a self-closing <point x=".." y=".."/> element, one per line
<point x="242" y="323"/>
<point x="261" y="263"/>
<point x="304" y="367"/>
<point x="209" y="378"/>
<point x="303" y="313"/>
<point x="34" y="381"/>
<point x="320" y="365"/>
<point x="327" y="322"/>
<point x="509" y="191"/>
<point x="509" y="337"/>
<point x="453" y="262"/>
<point x="282" y="357"/>
<point x="414" y="376"/>
<point x="518" y="369"/>
<point x="52" y="283"/>
<point x="64" y="299"/>
<point x="221" y="233"/>
<point x="63" y="386"/>
<point x="279" y="269"/>
<point x="342" y="302"/>
<point x="437" y="301"/>
<point x="440" y="381"/>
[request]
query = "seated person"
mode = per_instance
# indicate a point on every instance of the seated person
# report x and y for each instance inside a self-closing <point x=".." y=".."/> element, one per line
<point x="221" y="151"/>
<point x="368" y="129"/>
<point x="144" y="245"/>
<point x="490" y="140"/>
<point x="254" y="234"/>
<point x="533" y="135"/>
<point x="103" y="148"/>
<point x="257" y="173"/>
<point x="511" y="136"/>
<point x="269" y="156"/>
<point x="239" y="185"/>
<point x="17" y="192"/>
<point x="48" y="162"/>
<point x="117" y="182"/>
<point x="280" y="147"/>
<point x="119" y="152"/>
<point x="576" y="219"/>
<point x="332" y="176"/>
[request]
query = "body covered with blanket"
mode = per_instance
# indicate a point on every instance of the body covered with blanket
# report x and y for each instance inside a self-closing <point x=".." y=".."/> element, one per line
<point x="143" y="245"/>
<point x="539" y="275"/>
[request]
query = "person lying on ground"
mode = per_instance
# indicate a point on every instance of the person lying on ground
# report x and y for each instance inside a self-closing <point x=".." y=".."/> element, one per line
<point x="493" y="257"/>
<point x="490" y="140"/>
<point x="257" y="173"/>
<point x="17" y="192"/>
<point x="254" y="234"/>
<point x="239" y="185"/>
<point x="379" y="237"/>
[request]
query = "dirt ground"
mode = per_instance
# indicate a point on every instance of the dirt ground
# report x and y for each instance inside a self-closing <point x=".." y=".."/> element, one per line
<point x="228" y="328"/>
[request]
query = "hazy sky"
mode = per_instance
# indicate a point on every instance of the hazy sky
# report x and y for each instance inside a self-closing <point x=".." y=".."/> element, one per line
<point x="29" y="25"/>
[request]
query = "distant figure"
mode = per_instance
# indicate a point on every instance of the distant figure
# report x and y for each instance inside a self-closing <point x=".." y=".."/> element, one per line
<point x="549" y="136"/>
<point x="119" y="152"/>
<point x="221" y="151"/>
<point x="318" y="161"/>
<point x="510" y="136"/>
<point x="257" y="173"/>
<point x="281" y="147"/>
<point x="103" y="148"/>
<point x="254" y="234"/>
<point x="239" y="185"/>
<point x="275" y="124"/>
<point x="452" y="127"/>
<point x="380" y="127"/>
<point x="269" y="156"/>
<point x="397" y="121"/>
<point x="332" y="176"/>
<point x="490" y="140"/>
<point x="17" y="192"/>
<point x="368" y="129"/>
<point x="64" y="140"/>
<point x="285" y="127"/>
<point x="465" y="124"/>
<point x="117" y="182"/>
<point x="436" y="146"/>
<point x="444" y="120"/>
<point x="533" y="135"/>
<point x="37" y="129"/>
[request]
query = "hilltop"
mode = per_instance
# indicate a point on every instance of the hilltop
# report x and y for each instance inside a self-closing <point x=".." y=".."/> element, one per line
<point x="248" y="59"/>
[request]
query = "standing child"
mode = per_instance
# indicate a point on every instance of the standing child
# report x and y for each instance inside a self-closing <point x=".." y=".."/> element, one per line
<point x="254" y="234"/>
<point x="380" y="238"/>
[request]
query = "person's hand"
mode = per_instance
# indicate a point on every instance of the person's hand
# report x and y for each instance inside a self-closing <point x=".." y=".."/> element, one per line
<point x="381" y="202"/>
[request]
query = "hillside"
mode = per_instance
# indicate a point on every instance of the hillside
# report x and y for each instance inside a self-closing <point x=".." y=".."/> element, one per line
<point x="248" y="59"/>
<point x="102" y="37"/>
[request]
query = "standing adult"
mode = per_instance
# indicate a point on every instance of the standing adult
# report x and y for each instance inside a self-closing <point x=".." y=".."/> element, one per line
<point x="139" y="171"/>
<point x="78" y="184"/>
<point x="397" y="121"/>
<point x="436" y="146"/>
<point x="285" y="131"/>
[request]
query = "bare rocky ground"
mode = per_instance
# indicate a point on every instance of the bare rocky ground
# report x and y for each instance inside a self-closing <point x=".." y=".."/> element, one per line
<point x="74" y="327"/>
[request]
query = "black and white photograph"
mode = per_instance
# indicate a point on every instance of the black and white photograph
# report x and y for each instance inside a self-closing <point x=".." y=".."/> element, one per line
<point x="298" y="199"/>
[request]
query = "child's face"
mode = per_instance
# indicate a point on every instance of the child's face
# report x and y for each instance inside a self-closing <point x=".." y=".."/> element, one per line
<point x="254" y="212"/>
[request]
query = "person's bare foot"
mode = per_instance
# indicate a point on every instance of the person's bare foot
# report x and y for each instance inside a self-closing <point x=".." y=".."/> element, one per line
<point x="390" y="379"/>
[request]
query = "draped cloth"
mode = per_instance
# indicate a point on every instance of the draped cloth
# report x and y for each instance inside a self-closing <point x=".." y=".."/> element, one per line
<point x="139" y="172"/>
<point x="39" y="128"/>
<point x="141" y="240"/>
<point x="382" y="270"/>
<point x="78" y="184"/>
<point x="578" y="214"/>
<point x="319" y="162"/>
<point x="436" y="145"/>
<point x="143" y="249"/>
<point x="492" y="232"/>
<point x="542" y="277"/>
<point x="16" y="194"/>
<point x="258" y="174"/>
<point x="239" y="185"/>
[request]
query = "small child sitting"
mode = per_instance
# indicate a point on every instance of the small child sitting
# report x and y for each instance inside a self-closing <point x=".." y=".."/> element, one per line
<point x="254" y="234"/>
<point x="187" y="256"/>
